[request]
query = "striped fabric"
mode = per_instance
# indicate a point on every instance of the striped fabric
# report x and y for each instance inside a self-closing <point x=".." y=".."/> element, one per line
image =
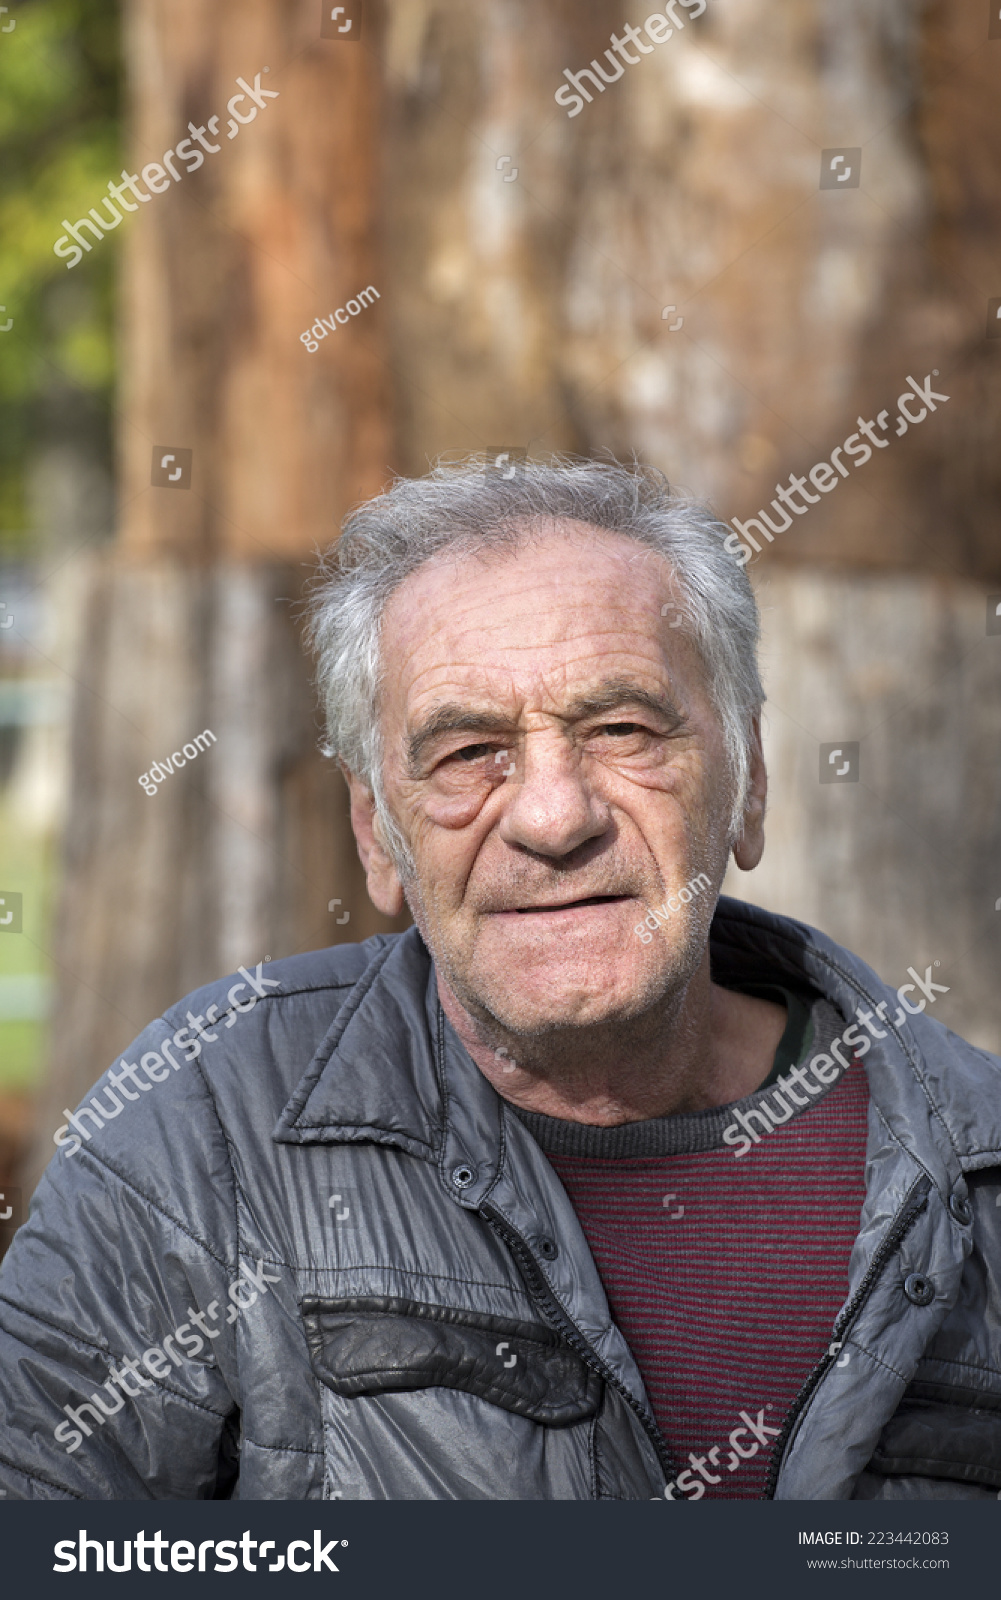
<point x="726" y="1274"/>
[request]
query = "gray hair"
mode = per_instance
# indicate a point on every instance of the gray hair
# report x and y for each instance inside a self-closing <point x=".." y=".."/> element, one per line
<point x="466" y="506"/>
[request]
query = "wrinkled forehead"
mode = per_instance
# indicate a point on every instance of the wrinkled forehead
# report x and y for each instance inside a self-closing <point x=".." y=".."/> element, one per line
<point x="556" y="593"/>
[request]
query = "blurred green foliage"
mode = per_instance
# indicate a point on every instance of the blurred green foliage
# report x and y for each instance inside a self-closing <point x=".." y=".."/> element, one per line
<point x="60" y="142"/>
<point x="26" y="868"/>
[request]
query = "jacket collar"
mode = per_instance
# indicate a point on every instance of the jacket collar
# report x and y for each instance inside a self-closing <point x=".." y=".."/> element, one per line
<point x="937" y="1095"/>
<point x="373" y="1077"/>
<point x="391" y="1069"/>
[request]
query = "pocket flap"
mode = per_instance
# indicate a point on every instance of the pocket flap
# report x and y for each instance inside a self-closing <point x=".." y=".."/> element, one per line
<point x="929" y="1439"/>
<point x="368" y="1345"/>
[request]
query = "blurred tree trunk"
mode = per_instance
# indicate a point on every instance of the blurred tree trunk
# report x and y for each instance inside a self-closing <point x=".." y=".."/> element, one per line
<point x="191" y="621"/>
<point x="533" y="254"/>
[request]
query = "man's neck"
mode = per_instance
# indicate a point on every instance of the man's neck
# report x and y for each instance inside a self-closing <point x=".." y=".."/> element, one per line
<point x="712" y="1046"/>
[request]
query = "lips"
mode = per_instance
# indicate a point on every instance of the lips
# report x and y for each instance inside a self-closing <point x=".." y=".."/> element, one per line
<point x="573" y="905"/>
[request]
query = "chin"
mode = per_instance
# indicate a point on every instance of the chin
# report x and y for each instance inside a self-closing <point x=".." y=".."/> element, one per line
<point x="569" y="1013"/>
<point x="538" y="996"/>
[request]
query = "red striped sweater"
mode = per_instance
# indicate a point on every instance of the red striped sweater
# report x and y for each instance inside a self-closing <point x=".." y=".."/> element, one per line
<point x="724" y="1273"/>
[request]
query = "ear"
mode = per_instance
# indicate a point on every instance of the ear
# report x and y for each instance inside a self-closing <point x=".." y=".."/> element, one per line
<point x="749" y="847"/>
<point x="384" y="888"/>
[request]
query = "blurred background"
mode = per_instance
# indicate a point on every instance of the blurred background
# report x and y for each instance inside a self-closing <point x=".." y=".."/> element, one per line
<point x="678" y="270"/>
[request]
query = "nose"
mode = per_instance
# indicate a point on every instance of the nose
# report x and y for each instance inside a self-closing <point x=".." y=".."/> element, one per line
<point x="554" y="808"/>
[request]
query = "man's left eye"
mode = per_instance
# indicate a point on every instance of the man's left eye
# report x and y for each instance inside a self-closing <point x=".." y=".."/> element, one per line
<point x="621" y="730"/>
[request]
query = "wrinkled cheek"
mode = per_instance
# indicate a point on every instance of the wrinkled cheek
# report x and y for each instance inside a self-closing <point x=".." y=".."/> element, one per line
<point x="443" y="858"/>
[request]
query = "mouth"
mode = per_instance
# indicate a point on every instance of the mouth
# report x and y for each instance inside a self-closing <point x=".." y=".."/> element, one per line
<point x="569" y="905"/>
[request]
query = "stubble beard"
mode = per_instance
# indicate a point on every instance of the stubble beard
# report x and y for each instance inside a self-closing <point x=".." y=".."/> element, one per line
<point x="560" y="1052"/>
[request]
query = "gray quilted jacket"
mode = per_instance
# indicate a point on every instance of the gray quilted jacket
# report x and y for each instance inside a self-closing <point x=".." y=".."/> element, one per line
<point x="316" y="1256"/>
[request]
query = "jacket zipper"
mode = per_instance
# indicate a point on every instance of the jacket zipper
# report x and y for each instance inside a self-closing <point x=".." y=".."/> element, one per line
<point x="568" y="1329"/>
<point x="908" y="1214"/>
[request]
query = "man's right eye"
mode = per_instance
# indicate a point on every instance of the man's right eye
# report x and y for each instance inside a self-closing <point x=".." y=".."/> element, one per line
<point x="472" y="752"/>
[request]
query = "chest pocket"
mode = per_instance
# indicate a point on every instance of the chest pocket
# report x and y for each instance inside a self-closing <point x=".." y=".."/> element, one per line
<point x="931" y="1438"/>
<point x="376" y="1345"/>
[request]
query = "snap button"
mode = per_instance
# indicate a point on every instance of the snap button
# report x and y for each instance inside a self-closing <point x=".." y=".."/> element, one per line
<point x="919" y="1289"/>
<point x="961" y="1209"/>
<point x="549" y="1249"/>
<point x="463" y="1176"/>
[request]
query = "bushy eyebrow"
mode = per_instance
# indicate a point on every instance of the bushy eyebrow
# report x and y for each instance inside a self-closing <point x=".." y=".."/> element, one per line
<point x="617" y="693"/>
<point x="452" y="718"/>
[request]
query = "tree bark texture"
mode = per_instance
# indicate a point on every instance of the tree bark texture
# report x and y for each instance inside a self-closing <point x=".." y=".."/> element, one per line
<point x="531" y="311"/>
<point x="904" y="864"/>
<point x="226" y="270"/>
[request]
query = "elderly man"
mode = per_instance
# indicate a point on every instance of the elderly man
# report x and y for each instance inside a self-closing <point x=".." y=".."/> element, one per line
<point x="590" y="1186"/>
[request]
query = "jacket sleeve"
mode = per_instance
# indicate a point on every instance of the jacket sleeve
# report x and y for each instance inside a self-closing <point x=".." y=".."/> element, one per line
<point x="118" y="1334"/>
